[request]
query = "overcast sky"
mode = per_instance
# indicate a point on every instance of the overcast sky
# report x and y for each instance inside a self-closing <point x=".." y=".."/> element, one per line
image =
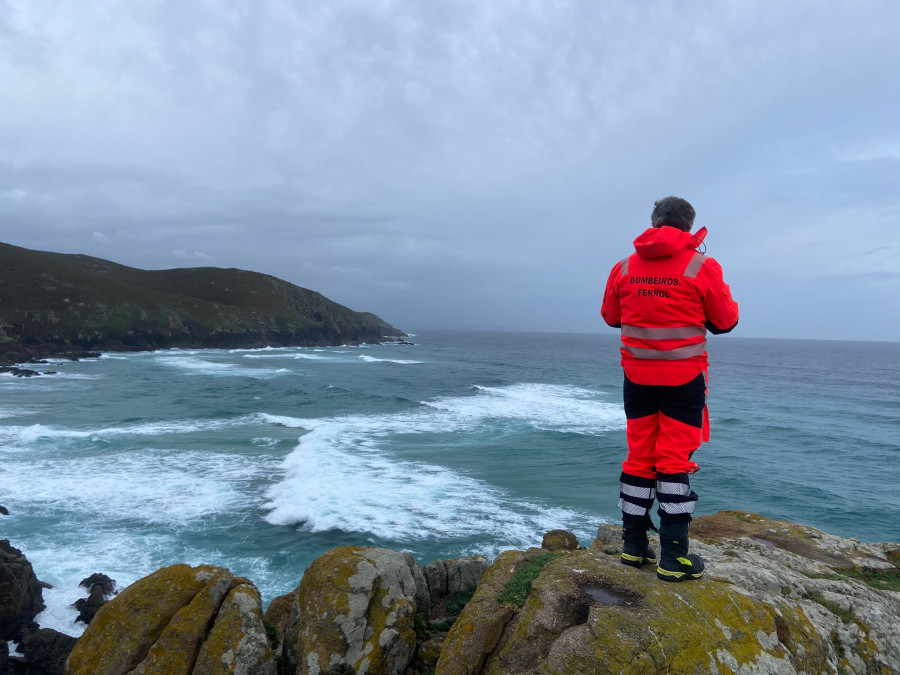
<point x="466" y="164"/>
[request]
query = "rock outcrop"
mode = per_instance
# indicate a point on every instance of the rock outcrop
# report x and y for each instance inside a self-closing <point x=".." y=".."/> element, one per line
<point x="179" y="620"/>
<point x="559" y="540"/>
<point x="777" y="598"/>
<point x="46" y="651"/>
<point x="100" y="589"/>
<point x="356" y="607"/>
<point x="21" y="598"/>
<point x="446" y="578"/>
<point x="107" y="586"/>
<point x="276" y="619"/>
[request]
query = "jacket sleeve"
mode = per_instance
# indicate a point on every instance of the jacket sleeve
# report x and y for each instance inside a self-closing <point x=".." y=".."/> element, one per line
<point x="611" y="310"/>
<point x="721" y="309"/>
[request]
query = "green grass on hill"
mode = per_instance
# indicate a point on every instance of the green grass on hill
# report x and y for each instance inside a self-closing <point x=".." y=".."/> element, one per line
<point x="89" y="302"/>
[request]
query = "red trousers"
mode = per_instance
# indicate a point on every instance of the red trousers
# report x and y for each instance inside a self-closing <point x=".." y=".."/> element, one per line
<point x="666" y="424"/>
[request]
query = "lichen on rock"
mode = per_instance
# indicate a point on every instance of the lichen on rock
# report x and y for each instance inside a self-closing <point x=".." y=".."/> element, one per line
<point x="559" y="540"/>
<point x="238" y="642"/>
<point x="778" y="598"/>
<point x="165" y="622"/>
<point x="356" y="607"/>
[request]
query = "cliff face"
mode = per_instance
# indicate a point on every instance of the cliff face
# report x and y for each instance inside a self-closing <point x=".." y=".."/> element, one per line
<point x="52" y="302"/>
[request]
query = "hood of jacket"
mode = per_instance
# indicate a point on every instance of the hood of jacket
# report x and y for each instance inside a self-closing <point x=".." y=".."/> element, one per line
<point x="659" y="242"/>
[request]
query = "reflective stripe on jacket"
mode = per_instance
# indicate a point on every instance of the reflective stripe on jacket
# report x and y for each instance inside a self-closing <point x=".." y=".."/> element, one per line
<point x="664" y="297"/>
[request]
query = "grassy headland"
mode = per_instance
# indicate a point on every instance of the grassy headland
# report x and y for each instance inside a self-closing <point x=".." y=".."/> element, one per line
<point x="54" y="303"/>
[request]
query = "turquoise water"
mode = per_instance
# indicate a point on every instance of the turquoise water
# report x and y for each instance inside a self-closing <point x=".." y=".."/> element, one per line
<point x="261" y="460"/>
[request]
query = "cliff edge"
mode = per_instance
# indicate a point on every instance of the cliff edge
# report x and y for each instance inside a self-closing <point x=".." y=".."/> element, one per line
<point x="778" y="598"/>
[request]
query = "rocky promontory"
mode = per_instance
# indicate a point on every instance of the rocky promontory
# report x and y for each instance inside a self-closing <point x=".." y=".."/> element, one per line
<point x="778" y="598"/>
<point x="54" y="304"/>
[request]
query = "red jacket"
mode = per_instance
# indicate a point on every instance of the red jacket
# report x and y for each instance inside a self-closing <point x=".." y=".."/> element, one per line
<point x="664" y="297"/>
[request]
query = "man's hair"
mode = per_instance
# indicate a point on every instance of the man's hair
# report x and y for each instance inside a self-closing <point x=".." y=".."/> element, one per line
<point x="674" y="212"/>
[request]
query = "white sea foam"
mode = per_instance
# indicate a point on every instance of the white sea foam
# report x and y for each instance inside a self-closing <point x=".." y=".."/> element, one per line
<point x="72" y="376"/>
<point x="155" y="487"/>
<point x="299" y="356"/>
<point x="342" y="477"/>
<point x="217" y="369"/>
<point x="260" y="349"/>
<point x="119" y="555"/>
<point x="125" y="558"/>
<point x="547" y="407"/>
<point x="29" y="434"/>
<point x="329" y="487"/>
<point x="285" y="421"/>
<point x="15" y="412"/>
<point x="372" y="359"/>
<point x="129" y="496"/>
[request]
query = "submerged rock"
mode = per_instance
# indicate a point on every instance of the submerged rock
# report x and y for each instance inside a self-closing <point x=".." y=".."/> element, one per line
<point x="777" y="598"/>
<point x="19" y="372"/>
<point x="107" y="585"/>
<point x="87" y="607"/>
<point x="21" y="598"/>
<point x="101" y="589"/>
<point x="178" y="620"/>
<point x="355" y="607"/>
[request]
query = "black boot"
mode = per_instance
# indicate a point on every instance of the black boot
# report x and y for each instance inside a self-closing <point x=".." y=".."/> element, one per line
<point x="675" y="563"/>
<point x="636" y="549"/>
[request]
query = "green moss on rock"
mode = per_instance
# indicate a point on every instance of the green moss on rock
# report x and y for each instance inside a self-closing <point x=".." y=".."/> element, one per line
<point x="517" y="589"/>
<point x="478" y="629"/>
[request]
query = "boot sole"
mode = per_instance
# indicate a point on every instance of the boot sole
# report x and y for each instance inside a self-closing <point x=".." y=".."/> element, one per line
<point x="636" y="560"/>
<point x="669" y="575"/>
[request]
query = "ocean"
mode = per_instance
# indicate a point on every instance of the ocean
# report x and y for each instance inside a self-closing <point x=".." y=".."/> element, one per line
<point x="465" y="443"/>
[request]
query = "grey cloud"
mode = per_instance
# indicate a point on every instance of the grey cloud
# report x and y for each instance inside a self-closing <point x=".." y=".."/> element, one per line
<point x="457" y="164"/>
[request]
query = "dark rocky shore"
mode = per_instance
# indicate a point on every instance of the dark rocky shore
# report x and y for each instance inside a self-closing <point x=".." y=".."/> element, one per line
<point x="11" y="361"/>
<point x="778" y="597"/>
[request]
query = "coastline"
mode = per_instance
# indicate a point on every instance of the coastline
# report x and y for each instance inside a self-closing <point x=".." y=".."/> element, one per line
<point x="13" y="356"/>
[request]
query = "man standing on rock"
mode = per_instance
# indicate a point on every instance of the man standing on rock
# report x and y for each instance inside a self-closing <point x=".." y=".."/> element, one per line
<point x="664" y="297"/>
